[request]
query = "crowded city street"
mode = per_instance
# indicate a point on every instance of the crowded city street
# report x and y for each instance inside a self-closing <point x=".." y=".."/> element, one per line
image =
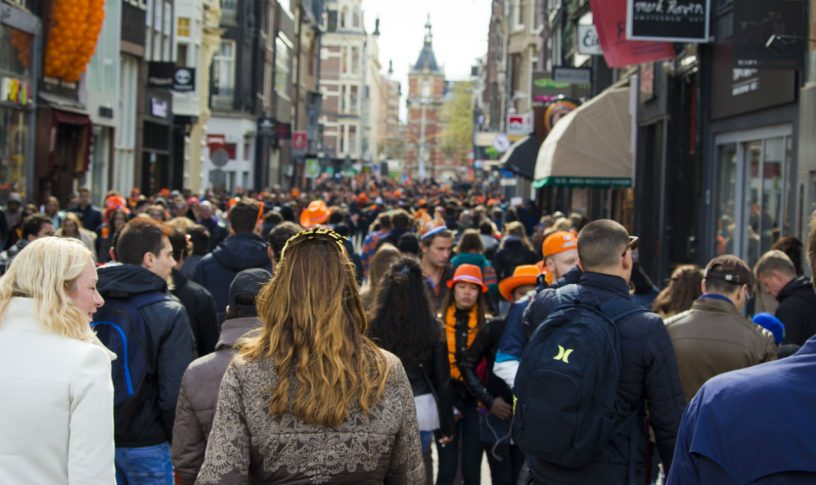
<point x="459" y="242"/>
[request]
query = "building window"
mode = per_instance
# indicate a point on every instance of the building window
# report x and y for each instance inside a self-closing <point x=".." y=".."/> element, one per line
<point x="355" y="60"/>
<point x="353" y="99"/>
<point x="355" y="18"/>
<point x="517" y="14"/>
<point x="282" y="66"/>
<point x="183" y="27"/>
<point x="229" y="11"/>
<point x="352" y="140"/>
<point x="181" y="55"/>
<point x="343" y="17"/>
<point x="343" y="95"/>
<point x="223" y="68"/>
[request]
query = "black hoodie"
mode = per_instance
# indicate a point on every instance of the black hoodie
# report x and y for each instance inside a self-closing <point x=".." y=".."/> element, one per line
<point x="216" y="270"/>
<point x="797" y="310"/>
<point x="171" y="347"/>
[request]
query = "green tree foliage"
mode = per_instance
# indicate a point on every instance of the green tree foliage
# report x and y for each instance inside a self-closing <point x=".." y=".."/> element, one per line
<point x="457" y="122"/>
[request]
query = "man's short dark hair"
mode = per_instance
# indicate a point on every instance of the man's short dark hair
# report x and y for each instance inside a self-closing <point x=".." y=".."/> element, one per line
<point x="180" y="244"/>
<point x="200" y="237"/>
<point x="776" y="261"/>
<point x="279" y="235"/>
<point x="427" y="242"/>
<point x="725" y="274"/>
<point x="384" y="219"/>
<point x="400" y="219"/>
<point x="244" y="215"/>
<point x="273" y="218"/>
<point x="34" y="223"/>
<point x="140" y="236"/>
<point x="601" y="243"/>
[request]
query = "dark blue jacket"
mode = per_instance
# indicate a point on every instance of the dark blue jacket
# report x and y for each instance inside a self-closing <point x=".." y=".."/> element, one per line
<point x="216" y="270"/>
<point x="171" y="350"/>
<point x="649" y="381"/>
<point x="752" y="425"/>
<point x="91" y="217"/>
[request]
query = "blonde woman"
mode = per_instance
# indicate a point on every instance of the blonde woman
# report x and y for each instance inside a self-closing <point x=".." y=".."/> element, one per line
<point x="56" y="423"/>
<point x="311" y="399"/>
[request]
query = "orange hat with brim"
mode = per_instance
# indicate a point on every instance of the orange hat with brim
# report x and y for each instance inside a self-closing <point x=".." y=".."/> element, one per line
<point x="316" y="213"/>
<point x="558" y="242"/>
<point x="526" y="274"/>
<point x="468" y="273"/>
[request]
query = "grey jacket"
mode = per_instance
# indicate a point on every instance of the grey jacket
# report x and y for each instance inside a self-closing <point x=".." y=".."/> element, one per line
<point x="198" y="397"/>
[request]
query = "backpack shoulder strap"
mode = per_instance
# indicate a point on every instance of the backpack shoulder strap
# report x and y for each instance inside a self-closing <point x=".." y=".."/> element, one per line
<point x="618" y="308"/>
<point x="143" y="299"/>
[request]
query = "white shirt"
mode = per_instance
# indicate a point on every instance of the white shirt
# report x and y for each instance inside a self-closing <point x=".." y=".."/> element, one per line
<point x="56" y="404"/>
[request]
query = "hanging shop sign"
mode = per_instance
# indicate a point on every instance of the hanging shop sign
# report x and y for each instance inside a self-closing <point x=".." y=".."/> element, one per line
<point x="160" y="75"/>
<point x="769" y="34"/>
<point x="184" y="79"/>
<point x="16" y="91"/>
<point x="160" y="108"/>
<point x="609" y="17"/>
<point x="558" y="109"/>
<point x="300" y="140"/>
<point x="673" y="20"/>
<point x="545" y="88"/>
<point x="588" y="43"/>
<point x="572" y="75"/>
<point x="519" y="124"/>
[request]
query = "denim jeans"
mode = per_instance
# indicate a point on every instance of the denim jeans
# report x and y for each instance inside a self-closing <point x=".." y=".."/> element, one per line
<point x="466" y="440"/>
<point x="149" y="465"/>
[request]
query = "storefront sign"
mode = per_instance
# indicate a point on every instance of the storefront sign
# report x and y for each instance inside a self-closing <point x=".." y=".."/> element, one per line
<point x="159" y="108"/>
<point x="184" y="80"/>
<point x="610" y="21"/>
<point x="312" y="168"/>
<point x="17" y="91"/>
<point x="520" y="124"/>
<point x="300" y="140"/>
<point x="737" y="91"/>
<point x="160" y="75"/>
<point x="545" y="88"/>
<point x="668" y="20"/>
<point x="267" y="126"/>
<point x="557" y="110"/>
<point x="284" y="131"/>
<point x="769" y="34"/>
<point x="572" y="75"/>
<point x="588" y="43"/>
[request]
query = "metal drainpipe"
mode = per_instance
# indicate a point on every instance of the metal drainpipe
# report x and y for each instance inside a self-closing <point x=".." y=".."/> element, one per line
<point x="298" y="34"/>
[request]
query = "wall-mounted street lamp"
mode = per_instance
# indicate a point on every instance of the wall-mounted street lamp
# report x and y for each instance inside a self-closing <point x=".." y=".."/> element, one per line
<point x="779" y="42"/>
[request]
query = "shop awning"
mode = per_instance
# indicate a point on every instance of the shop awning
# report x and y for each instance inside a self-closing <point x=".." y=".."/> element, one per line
<point x="589" y="147"/>
<point x="520" y="158"/>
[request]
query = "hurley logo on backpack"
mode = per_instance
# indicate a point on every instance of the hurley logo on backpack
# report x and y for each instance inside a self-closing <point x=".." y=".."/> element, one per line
<point x="120" y="326"/>
<point x="567" y="381"/>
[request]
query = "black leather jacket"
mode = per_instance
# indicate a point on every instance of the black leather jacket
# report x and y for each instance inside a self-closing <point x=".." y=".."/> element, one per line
<point x="484" y="347"/>
<point x="436" y="370"/>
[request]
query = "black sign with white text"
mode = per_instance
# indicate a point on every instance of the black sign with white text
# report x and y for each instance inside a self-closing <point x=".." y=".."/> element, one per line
<point x="668" y="20"/>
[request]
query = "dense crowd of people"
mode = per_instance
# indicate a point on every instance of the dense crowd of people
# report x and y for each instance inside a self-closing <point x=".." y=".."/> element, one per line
<point x="346" y="334"/>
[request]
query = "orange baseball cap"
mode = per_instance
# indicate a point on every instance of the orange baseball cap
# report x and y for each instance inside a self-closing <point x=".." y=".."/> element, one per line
<point x="558" y="242"/>
<point x="469" y="273"/>
<point x="316" y="213"/>
<point x="526" y="274"/>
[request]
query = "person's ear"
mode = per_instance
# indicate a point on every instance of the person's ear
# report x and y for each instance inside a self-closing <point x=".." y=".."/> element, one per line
<point x="148" y="260"/>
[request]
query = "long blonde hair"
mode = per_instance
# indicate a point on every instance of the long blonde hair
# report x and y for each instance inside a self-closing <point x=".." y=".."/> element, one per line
<point x="46" y="270"/>
<point x="314" y="331"/>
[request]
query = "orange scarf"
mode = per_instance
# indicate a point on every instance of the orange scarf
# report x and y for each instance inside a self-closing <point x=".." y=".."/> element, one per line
<point x="450" y="332"/>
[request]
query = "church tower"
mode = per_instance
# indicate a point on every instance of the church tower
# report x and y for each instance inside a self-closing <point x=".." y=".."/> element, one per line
<point x="426" y="89"/>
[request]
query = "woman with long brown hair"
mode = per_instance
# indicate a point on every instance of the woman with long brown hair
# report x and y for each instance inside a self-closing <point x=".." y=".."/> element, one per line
<point x="309" y="398"/>
<point x="684" y="287"/>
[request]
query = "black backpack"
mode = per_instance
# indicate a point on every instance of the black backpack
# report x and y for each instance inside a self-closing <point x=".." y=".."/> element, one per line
<point x="567" y="382"/>
<point x="121" y="327"/>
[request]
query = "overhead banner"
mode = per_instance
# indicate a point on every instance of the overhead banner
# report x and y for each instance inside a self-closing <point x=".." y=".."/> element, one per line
<point x="674" y="21"/>
<point x="769" y="34"/>
<point x="609" y="17"/>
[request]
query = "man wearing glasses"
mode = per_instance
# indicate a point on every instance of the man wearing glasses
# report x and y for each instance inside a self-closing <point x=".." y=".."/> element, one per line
<point x="649" y="380"/>
<point x="713" y="337"/>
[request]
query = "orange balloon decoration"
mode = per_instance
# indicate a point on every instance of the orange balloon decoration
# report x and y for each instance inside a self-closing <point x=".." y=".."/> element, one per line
<point x="75" y="26"/>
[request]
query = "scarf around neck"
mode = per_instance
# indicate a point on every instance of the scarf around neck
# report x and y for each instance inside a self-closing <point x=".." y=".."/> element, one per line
<point x="450" y="332"/>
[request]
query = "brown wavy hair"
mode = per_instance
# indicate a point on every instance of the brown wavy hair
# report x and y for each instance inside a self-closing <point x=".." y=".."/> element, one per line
<point x="683" y="288"/>
<point x="314" y="330"/>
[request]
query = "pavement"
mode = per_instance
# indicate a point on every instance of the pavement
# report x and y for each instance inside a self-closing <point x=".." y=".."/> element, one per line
<point x="485" y="467"/>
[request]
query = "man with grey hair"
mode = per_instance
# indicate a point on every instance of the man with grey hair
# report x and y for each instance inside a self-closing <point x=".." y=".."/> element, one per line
<point x="797" y="300"/>
<point x="649" y="381"/>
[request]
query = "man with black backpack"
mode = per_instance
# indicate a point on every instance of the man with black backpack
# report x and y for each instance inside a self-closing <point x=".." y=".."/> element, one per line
<point x="151" y="336"/>
<point x="593" y="368"/>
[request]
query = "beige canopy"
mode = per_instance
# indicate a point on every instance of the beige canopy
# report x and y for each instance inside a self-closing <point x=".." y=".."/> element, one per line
<point x="590" y="146"/>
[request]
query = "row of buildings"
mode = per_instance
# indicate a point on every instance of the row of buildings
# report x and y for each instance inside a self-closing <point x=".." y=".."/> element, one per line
<point x="194" y="94"/>
<point x="693" y="125"/>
